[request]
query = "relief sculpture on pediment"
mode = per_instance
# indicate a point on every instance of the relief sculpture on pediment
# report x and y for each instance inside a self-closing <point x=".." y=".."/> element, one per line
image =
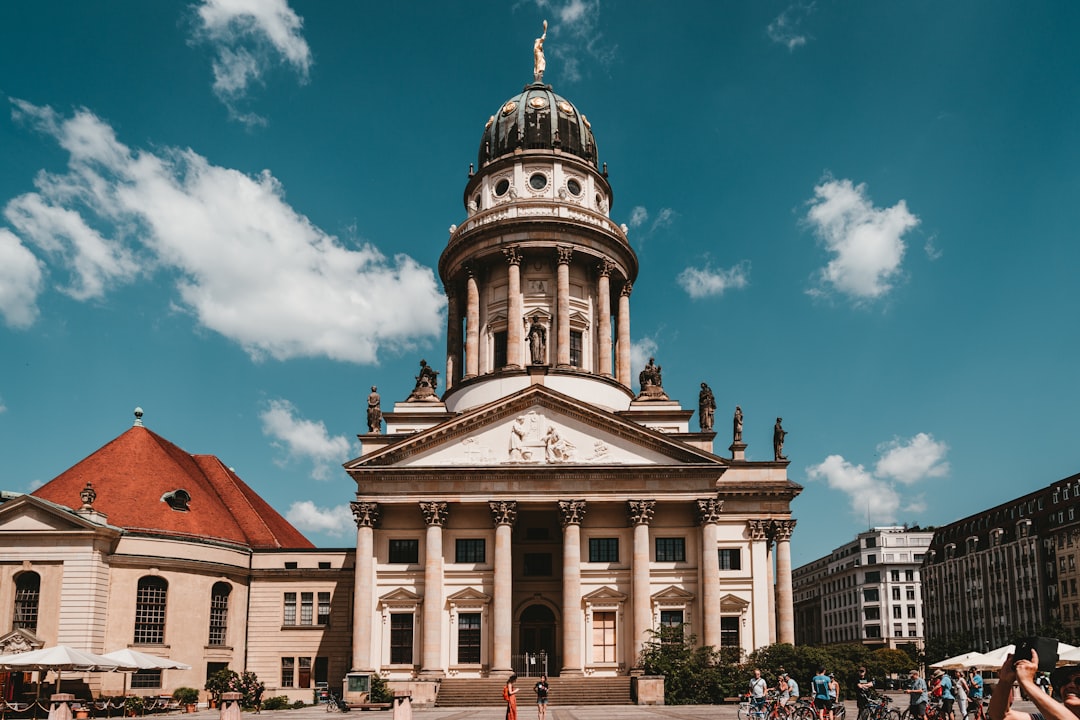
<point x="533" y="439"/>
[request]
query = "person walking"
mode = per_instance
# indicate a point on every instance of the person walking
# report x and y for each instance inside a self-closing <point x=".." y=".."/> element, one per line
<point x="510" y="696"/>
<point x="960" y="690"/>
<point x="917" y="697"/>
<point x="541" y="689"/>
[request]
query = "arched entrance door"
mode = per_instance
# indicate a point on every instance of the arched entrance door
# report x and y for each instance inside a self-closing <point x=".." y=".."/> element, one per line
<point x="537" y="635"/>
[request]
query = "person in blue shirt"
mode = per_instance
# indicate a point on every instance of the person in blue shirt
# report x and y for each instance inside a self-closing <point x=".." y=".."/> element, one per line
<point x="975" y="683"/>
<point x="947" y="697"/>
<point x="819" y="685"/>
<point x="917" y="696"/>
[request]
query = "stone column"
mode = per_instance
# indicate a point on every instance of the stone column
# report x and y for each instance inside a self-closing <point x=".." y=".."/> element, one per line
<point x="514" y="309"/>
<point x="572" y="513"/>
<point x="759" y="535"/>
<point x="504" y="515"/>
<point x="562" y="302"/>
<point x="785" y="604"/>
<point x="709" y="510"/>
<point x="641" y="512"/>
<point x="603" y="290"/>
<point x="453" y="339"/>
<point x="771" y="579"/>
<point x="366" y="515"/>
<point x="472" y="322"/>
<point x="623" y="341"/>
<point x="435" y="514"/>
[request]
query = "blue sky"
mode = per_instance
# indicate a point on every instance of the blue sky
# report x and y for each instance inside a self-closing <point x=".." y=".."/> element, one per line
<point x="859" y="216"/>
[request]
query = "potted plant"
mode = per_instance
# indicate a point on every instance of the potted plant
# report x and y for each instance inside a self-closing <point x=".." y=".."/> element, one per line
<point x="134" y="705"/>
<point x="186" y="696"/>
<point x="222" y="681"/>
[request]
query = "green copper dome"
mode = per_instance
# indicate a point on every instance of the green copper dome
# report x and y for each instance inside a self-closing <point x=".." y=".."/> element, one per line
<point x="537" y="119"/>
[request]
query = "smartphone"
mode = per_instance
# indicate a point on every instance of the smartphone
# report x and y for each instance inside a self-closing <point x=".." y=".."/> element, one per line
<point x="1047" y="648"/>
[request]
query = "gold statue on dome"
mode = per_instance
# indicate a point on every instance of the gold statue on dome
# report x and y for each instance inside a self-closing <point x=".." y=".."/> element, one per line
<point x="539" y="63"/>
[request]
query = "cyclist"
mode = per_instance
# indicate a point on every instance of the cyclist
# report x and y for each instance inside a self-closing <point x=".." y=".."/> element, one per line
<point x="758" y="688"/>
<point x="975" y="691"/>
<point x="793" y="689"/>
<point x="822" y="698"/>
<point x="917" y="696"/>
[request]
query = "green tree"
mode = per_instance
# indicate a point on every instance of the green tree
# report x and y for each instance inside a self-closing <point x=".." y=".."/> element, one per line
<point x="692" y="675"/>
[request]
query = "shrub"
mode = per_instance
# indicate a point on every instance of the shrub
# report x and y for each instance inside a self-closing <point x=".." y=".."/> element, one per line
<point x="278" y="702"/>
<point x="380" y="691"/>
<point x="297" y="704"/>
<point x="134" y="705"/>
<point x="186" y="695"/>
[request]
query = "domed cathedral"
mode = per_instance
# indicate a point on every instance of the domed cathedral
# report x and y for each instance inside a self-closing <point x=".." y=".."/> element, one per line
<point x="535" y="512"/>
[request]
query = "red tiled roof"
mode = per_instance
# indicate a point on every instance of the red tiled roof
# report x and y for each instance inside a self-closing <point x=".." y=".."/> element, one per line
<point x="131" y="473"/>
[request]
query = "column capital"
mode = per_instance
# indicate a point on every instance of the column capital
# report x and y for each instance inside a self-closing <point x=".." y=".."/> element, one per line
<point x="604" y="267"/>
<point x="759" y="529"/>
<point x="572" y="511"/>
<point x="513" y="257"/>
<point x="640" y="511"/>
<point x="627" y="288"/>
<point x="435" y="512"/>
<point x="365" y="514"/>
<point x="503" y="512"/>
<point x="709" y="510"/>
<point x="565" y="252"/>
<point x="782" y="530"/>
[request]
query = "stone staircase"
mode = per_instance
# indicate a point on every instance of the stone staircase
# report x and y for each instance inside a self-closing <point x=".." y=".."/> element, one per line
<point x="476" y="692"/>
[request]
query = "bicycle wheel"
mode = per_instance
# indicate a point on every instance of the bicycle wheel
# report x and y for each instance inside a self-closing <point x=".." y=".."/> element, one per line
<point x="744" y="711"/>
<point x="891" y="715"/>
<point x="839" y="711"/>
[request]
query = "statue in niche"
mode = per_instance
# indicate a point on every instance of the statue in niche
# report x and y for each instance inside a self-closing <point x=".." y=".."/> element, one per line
<point x="539" y="63"/>
<point x="706" y="407"/>
<point x="426" y="383"/>
<point x="737" y="423"/>
<point x="374" y="411"/>
<point x="778" y="435"/>
<point x="652" y="384"/>
<point x="537" y="341"/>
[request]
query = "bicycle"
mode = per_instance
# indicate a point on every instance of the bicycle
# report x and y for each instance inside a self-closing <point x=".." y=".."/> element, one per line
<point x="334" y="702"/>
<point x="877" y="708"/>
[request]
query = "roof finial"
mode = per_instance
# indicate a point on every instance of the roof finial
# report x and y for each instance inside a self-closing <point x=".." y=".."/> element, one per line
<point x="539" y="64"/>
<point x="138" y="417"/>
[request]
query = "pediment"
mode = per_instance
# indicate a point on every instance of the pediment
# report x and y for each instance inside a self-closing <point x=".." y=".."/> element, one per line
<point x="28" y="513"/>
<point x="534" y="428"/>
<point x="733" y="603"/>
<point x="673" y="594"/>
<point x="469" y="596"/>
<point x="19" y="640"/>
<point x="604" y="596"/>
<point x="400" y="598"/>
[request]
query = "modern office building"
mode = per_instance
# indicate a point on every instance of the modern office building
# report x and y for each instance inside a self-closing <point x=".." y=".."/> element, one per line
<point x="866" y="591"/>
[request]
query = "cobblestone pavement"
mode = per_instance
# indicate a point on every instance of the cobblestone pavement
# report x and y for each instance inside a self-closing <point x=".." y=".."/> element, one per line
<point x="527" y="711"/>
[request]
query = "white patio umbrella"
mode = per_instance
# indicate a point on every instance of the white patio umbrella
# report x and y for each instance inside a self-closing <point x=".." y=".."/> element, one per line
<point x="60" y="658"/>
<point x="959" y="662"/>
<point x="996" y="658"/>
<point x="144" y="661"/>
<point x="1069" y="656"/>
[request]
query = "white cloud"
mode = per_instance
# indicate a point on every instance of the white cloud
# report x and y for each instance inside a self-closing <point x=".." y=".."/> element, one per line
<point x="918" y="458"/>
<point x="304" y="439"/>
<point x="3" y="407"/>
<point x="575" y="27"/>
<point x="638" y="216"/>
<point x="248" y="36"/>
<point x="706" y="282"/>
<point x="787" y="30"/>
<point x="867" y="242"/>
<point x="336" y="521"/>
<point x="931" y="249"/>
<point x="875" y="495"/>
<point x="20" y="281"/>
<point x="640" y="352"/>
<point x="247" y="265"/>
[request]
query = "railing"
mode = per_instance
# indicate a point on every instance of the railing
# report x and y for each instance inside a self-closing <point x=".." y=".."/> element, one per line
<point x="530" y="664"/>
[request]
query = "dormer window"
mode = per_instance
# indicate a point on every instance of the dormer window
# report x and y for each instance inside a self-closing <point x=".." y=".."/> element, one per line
<point x="177" y="499"/>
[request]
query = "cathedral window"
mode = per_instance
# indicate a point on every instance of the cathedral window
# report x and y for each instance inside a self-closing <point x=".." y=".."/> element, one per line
<point x="468" y="638"/>
<point x="27" y="594"/>
<point x="499" y="348"/>
<point x="401" y="638"/>
<point x="538" y="181"/>
<point x="576" y="346"/>
<point x="469" y="550"/>
<point x="405" y="552"/>
<point x="150" y="600"/>
<point x="219" y="613"/>
<point x="289" y="617"/>
<point x="671" y="549"/>
<point x="603" y="632"/>
<point x="729" y="631"/>
<point x="730" y="558"/>
<point x="604" y="550"/>
<point x="574" y="187"/>
<point x="671" y="626"/>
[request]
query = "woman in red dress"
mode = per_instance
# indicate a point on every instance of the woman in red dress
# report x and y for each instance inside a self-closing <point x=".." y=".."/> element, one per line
<point x="510" y="696"/>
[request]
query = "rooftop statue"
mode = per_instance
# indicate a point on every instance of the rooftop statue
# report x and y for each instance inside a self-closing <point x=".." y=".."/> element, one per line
<point x="539" y="63"/>
<point x="426" y="382"/>
<point x="779" y="433"/>
<point x="706" y="407"/>
<point x="652" y="384"/>
<point x="374" y="412"/>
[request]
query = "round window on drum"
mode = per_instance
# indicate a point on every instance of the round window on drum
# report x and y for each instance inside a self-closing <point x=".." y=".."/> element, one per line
<point x="538" y="181"/>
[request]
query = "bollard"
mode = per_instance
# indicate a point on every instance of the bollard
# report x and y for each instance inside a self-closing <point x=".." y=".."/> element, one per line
<point x="403" y="707"/>
<point x="60" y="706"/>
<point x="229" y="709"/>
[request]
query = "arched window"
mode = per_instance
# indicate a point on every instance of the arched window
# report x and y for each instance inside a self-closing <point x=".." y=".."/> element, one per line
<point x="150" y="611"/>
<point x="27" y="592"/>
<point x="219" y="612"/>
